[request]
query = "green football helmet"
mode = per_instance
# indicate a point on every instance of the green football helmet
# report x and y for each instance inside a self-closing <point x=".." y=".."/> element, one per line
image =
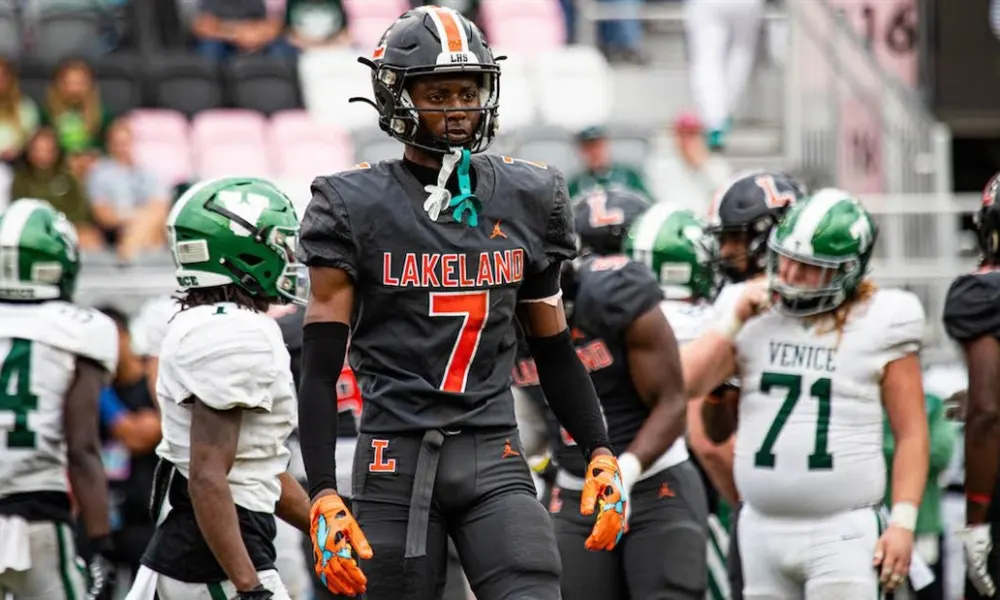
<point x="673" y="244"/>
<point x="39" y="253"/>
<point x="237" y="230"/>
<point x="830" y="230"/>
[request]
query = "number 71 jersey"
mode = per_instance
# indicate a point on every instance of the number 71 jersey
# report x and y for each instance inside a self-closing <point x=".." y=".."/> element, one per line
<point x="433" y="339"/>
<point x="809" y="441"/>
<point x="39" y="345"/>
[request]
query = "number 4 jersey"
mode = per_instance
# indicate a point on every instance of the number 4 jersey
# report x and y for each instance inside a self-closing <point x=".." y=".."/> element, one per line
<point x="432" y="341"/>
<point x="39" y="346"/>
<point x="809" y="441"/>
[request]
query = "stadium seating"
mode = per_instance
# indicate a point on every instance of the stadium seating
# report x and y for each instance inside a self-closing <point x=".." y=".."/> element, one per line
<point x="230" y="142"/>
<point x="120" y="81"/>
<point x="184" y="82"/>
<point x="574" y="87"/>
<point x="517" y="99"/>
<point x="34" y="76"/>
<point x="263" y="84"/>
<point x="59" y="31"/>
<point x="168" y="159"/>
<point x="368" y="19"/>
<point x="10" y="32"/>
<point x="372" y="145"/>
<point x="302" y="148"/>
<point x="329" y="78"/>
<point x="528" y="26"/>
<point x="159" y="125"/>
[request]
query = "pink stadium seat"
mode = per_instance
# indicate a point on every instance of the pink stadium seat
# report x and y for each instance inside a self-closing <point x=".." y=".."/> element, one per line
<point x="524" y="25"/>
<point x="227" y="126"/>
<point x="298" y="125"/>
<point x="368" y="19"/>
<point x="155" y="124"/>
<point x="306" y="160"/>
<point x="169" y="160"/>
<point x="226" y="159"/>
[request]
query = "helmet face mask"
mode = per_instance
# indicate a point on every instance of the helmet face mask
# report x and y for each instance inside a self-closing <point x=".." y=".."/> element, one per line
<point x="239" y="231"/>
<point x="750" y="205"/>
<point x="426" y="43"/>
<point x="824" y="245"/>
<point x="42" y="260"/>
<point x="987" y="222"/>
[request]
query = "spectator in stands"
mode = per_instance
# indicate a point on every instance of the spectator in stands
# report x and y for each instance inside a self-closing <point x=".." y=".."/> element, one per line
<point x="42" y="174"/>
<point x="73" y="108"/>
<point x="621" y="39"/>
<point x="18" y="114"/>
<point x="227" y="27"/>
<point x="690" y="177"/>
<point x="316" y="23"/>
<point x="599" y="168"/>
<point x="929" y="533"/>
<point x="128" y="202"/>
<point x="130" y="430"/>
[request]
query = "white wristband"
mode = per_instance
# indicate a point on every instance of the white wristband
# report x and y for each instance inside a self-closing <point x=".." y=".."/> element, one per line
<point x="904" y="515"/>
<point x="630" y="468"/>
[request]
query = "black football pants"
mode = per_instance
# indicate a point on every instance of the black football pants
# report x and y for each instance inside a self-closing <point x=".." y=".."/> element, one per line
<point x="662" y="557"/>
<point x="413" y="491"/>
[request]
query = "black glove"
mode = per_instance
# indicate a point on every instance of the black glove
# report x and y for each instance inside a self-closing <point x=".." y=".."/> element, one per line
<point x="101" y="575"/>
<point x="258" y="593"/>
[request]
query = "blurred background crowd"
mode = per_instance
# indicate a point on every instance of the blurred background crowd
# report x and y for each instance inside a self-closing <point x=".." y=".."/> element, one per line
<point x="109" y="109"/>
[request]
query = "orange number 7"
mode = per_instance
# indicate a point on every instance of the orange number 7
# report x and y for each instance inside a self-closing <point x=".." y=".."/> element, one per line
<point x="474" y="308"/>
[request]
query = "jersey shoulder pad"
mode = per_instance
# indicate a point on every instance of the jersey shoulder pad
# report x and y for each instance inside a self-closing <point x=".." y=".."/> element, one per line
<point x="81" y="331"/>
<point x="899" y="319"/>
<point x="726" y="300"/>
<point x="970" y="308"/>
<point x="228" y="357"/>
<point x="326" y="233"/>
<point x="614" y="291"/>
<point x="688" y="320"/>
<point x="150" y="326"/>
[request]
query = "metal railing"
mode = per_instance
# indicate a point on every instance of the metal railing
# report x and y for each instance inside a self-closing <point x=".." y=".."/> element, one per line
<point x="847" y="117"/>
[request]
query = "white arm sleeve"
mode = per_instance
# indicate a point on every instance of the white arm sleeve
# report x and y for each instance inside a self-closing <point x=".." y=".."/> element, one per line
<point x="228" y="363"/>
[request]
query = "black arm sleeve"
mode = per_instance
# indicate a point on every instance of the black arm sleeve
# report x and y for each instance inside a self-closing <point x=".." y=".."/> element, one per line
<point x="323" y="348"/>
<point x="569" y="390"/>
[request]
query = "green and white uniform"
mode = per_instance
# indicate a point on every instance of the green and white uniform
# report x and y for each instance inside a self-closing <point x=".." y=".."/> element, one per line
<point x="40" y="344"/>
<point x="809" y="462"/>
<point x="242" y="232"/>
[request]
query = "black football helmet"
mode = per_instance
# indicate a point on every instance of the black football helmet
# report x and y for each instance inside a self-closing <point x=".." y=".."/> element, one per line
<point x="602" y="218"/>
<point x="987" y="222"/>
<point x="432" y="40"/>
<point x="750" y="205"/>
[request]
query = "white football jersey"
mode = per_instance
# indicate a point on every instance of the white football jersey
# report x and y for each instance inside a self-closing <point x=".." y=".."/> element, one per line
<point x="39" y="344"/>
<point x="724" y="304"/>
<point x="230" y="358"/>
<point x="688" y="320"/>
<point x="809" y="441"/>
<point x="150" y="325"/>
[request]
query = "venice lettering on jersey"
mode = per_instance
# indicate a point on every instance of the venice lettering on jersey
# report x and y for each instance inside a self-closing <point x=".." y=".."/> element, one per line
<point x="799" y="356"/>
<point x="453" y="270"/>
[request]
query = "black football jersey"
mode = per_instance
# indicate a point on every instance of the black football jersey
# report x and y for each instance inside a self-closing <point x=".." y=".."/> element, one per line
<point x="432" y="335"/>
<point x="972" y="306"/>
<point x="613" y="292"/>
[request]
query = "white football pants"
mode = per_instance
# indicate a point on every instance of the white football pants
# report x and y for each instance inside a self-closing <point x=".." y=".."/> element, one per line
<point x="827" y="558"/>
<point x="722" y="43"/>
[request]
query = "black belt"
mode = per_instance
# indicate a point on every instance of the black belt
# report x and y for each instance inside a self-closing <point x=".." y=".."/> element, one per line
<point x="423" y="492"/>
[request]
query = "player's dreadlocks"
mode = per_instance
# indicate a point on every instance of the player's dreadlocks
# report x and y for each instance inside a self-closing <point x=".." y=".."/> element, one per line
<point x="223" y="293"/>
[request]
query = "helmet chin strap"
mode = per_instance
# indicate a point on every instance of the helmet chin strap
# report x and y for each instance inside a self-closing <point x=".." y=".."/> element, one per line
<point x="465" y="205"/>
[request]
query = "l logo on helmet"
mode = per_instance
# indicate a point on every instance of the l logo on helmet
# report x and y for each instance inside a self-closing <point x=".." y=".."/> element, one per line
<point x="248" y="206"/>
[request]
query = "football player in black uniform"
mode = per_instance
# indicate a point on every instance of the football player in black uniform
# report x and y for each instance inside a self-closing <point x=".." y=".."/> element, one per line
<point x="972" y="318"/>
<point x="623" y="338"/>
<point x="744" y="212"/>
<point x="424" y="262"/>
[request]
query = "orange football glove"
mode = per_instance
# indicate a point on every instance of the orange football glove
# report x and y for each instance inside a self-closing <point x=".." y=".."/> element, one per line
<point x="334" y="533"/>
<point x="604" y="487"/>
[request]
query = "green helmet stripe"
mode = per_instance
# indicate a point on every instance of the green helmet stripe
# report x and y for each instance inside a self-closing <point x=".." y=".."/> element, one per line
<point x="12" y="227"/>
<point x="809" y="220"/>
<point x="650" y="225"/>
